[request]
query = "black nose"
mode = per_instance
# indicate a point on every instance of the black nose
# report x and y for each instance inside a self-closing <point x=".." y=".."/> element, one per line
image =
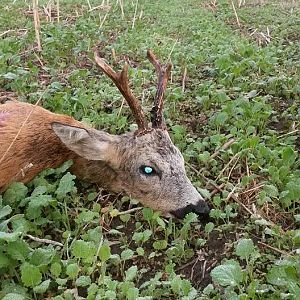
<point x="201" y="208"/>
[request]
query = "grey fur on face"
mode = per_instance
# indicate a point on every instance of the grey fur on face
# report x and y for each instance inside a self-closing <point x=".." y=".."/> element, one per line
<point x="123" y="159"/>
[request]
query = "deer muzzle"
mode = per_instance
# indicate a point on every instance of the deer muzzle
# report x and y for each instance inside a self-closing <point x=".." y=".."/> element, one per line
<point x="201" y="208"/>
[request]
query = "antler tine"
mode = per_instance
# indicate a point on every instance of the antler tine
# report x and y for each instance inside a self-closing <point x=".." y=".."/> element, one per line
<point x="122" y="83"/>
<point x="163" y="73"/>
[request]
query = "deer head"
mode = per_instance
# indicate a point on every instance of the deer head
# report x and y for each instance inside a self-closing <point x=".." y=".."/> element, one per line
<point x="144" y="164"/>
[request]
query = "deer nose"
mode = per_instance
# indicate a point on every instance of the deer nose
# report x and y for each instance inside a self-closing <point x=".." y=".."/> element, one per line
<point x="201" y="208"/>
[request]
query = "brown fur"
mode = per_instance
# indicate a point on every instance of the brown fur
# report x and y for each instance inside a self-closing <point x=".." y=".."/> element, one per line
<point x="36" y="148"/>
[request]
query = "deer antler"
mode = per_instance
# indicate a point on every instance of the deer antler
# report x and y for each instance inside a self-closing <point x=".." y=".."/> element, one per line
<point x="163" y="73"/>
<point x="121" y="81"/>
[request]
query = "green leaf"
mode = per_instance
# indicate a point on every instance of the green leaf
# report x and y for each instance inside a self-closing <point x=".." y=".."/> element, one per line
<point x="15" y="193"/>
<point x="62" y="281"/>
<point x="62" y="169"/>
<point x="277" y="276"/>
<point x="55" y="269"/>
<point x="205" y="193"/>
<point x="271" y="191"/>
<point x="82" y="249"/>
<point x="161" y="222"/>
<point x="131" y="273"/>
<point x="140" y="251"/>
<point x="10" y="76"/>
<point x="147" y="213"/>
<point x="42" y="288"/>
<point x="176" y="284"/>
<point x="14" y="296"/>
<point x="244" y="248"/>
<point x="9" y="237"/>
<point x="66" y="186"/>
<point x="190" y="218"/>
<point x="228" y="274"/>
<point x="221" y="118"/>
<point x="288" y="156"/>
<point x="160" y="245"/>
<point x="209" y="227"/>
<point x="18" y="250"/>
<point x="72" y="270"/>
<point x="142" y="236"/>
<point x="86" y="217"/>
<point x="5" y="211"/>
<point x="126" y="254"/>
<point x="132" y="293"/>
<point x="125" y="218"/>
<point x="30" y="275"/>
<point x="4" y="260"/>
<point x="83" y="281"/>
<point x="35" y="205"/>
<point x="104" y="253"/>
<point x="42" y="257"/>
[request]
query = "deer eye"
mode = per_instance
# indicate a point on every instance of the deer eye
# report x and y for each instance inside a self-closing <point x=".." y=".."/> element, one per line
<point x="147" y="170"/>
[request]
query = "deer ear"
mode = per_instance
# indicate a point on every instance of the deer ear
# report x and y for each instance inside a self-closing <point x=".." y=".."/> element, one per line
<point x="90" y="144"/>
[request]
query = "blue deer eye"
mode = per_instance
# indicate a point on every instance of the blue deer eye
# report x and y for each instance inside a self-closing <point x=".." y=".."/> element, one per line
<point x="147" y="170"/>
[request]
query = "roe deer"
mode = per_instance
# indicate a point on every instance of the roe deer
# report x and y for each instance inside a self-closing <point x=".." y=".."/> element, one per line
<point x="144" y="164"/>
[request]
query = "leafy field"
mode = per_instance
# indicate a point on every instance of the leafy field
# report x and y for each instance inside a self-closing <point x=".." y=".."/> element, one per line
<point x="233" y="110"/>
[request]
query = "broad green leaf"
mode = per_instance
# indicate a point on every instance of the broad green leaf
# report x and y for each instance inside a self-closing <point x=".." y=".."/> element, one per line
<point x="132" y="293"/>
<point x="104" y="253"/>
<point x="125" y="218"/>
<point x="147" y="213"/>
<point x="142" y="237"/>
<point x="227" y="274"/>
<point x="176" y="284"/>
<point x="271" y="190"/>
<point x="15" y="193"/>
<point x="14" y="296"/>
<point x="18" y="250"/>
<point x="30" y="275"/>
<point x="55" y="269"/>
<point x="140" y="251"/>
<point x="36" y="203"/>
<point x="161" y="222"/>
<point x="288" y="156"/>
<point x="131" y="273"/>
<point x="244" y="248"/>
<point x="221" y="118"/>
<point x="160" y="245"/>
<point x="209" y="227"/>
<point x="86" y="217"/>
<point x="66" y="186"/>
<point x="186" y="287"/>
<point x="5" y="211"/>
<point x="62" y="281"/>
<point x="277" y="276"/>
<point x="42" y="256"/>
<point x="126" y="254"/>
<point x="10" y="76"/>
<point x="83" y="281"/>
<point x="9" y="237"/>
<point x="4" y="260"/>
<point x="39" y="190"/>
<point x="42" y="288"/>
<point x="82" y="249"/>
<point x="72" y="270"/>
